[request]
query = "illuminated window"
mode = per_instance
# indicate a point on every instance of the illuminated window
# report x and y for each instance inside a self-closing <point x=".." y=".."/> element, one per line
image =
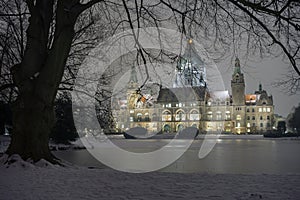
<point x="209" y="115"/>
<point x="180" y="116"/>
<point x="209" y="103"/>
<point x="264" y="110"/>
<point x="268" y="109"/>
<point x="248" y="130"/>
<point x="248" y="125"/>
<point x="166" y="116"/>
<point x="238" y="124"/>
<point x="139" y="117"/>
<point x="194" y="115"/>
<point x="131" y="111"/>
<point x="238" y="117"/>
<point x="260" y="110"/>
<point x="227" y="115"/>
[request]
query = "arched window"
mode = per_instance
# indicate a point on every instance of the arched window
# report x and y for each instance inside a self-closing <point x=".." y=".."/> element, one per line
<point x="209" y="115"/>
<point x="180" y="127"/>
<point x="166" y="116"/>
<point x="194" y="115"/>
<point x="167" y="128"/>
<point x="147" y="118"/>
<point x="180" y="115"/>
<point x="139" y="117"/>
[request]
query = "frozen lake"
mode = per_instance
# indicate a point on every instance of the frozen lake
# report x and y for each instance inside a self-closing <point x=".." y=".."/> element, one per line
<point x="242" y="155"/>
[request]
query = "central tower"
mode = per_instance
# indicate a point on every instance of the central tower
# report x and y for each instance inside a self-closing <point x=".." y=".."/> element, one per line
<point x="190" y="70"/>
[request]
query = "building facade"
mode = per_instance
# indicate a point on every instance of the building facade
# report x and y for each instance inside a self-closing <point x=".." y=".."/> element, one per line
<point x="190" y="103"/>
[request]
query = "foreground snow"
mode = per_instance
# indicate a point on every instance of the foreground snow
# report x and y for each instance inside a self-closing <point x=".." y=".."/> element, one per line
<point x="22" y="180"/>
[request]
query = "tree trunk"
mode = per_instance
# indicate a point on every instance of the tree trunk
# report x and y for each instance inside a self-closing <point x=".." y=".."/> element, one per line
<point x="32" y="123"/>
<point x="37" y="79"/>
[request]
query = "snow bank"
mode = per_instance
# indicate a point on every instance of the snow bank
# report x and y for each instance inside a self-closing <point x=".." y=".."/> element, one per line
<point x="81" y="183"/>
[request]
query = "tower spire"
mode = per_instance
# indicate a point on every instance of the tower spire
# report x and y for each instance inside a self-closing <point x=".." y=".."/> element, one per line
<point x="133" y="81"/>
<point x="237" y="66"/>
<point x="260" y="87"/>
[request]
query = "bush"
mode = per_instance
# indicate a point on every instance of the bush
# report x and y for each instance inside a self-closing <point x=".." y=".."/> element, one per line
<point x="64" y="130"/>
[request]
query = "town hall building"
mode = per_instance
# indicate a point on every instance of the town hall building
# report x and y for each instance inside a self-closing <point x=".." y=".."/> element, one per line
<point x="210" y="111"/>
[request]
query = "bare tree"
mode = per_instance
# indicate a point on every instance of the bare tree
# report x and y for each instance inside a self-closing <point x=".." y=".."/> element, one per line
<point x="266" y="26"/>
<point x="38" y="75"/>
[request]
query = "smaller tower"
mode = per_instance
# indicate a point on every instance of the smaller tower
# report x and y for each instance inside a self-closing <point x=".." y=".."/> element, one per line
<point x="132" y="89"/>
<point x="238" y="85"/>
<point x="133" y="81"/>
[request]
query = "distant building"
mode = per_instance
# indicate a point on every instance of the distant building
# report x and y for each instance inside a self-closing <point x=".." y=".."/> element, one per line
<point x="210" y="111"/>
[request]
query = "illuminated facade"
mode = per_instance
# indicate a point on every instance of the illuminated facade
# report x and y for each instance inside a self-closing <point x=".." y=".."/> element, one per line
<point x="210" y="111"/>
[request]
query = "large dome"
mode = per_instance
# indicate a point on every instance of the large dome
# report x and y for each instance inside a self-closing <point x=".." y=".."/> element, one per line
<point x="190" y="69"/>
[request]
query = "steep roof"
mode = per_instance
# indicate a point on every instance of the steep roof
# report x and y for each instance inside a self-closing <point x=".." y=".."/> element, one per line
<point x="183" y="94"/>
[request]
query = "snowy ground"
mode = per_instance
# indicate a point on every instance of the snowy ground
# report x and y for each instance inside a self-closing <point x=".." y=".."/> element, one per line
<point x="22" y="180"/>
